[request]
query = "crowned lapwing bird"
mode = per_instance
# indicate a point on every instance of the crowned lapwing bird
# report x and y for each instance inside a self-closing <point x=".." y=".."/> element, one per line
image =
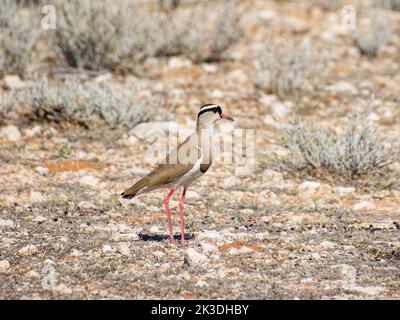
<point x="182" y="166"/>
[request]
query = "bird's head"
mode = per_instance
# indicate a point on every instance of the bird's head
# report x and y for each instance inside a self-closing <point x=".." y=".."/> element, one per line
<point x="209" y="114"/>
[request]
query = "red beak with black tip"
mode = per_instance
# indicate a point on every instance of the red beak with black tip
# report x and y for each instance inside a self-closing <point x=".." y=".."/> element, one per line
<point x="225" y="116"/>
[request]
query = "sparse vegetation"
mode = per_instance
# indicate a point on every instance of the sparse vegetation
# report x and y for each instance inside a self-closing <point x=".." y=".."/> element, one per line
<point x="82" y="102"/>
<point x="19" y="31"/>
<point x="287" y="68"/>
<point x="376" y="34"/>
<point x="104" y="34"/>
<point x="361" y="148"/>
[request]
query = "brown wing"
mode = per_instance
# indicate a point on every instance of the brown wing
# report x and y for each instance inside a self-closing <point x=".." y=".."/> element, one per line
<point x="171" y="169"/>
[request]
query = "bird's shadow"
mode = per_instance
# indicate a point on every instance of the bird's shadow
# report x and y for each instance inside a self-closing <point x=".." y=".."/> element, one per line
<point x="160" y="238"/>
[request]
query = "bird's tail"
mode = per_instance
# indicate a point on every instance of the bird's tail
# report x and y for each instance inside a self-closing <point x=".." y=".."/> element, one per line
<point x="136" y="189"/>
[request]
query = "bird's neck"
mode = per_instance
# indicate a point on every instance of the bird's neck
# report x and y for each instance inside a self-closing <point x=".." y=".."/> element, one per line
<point x="205" y="141"/>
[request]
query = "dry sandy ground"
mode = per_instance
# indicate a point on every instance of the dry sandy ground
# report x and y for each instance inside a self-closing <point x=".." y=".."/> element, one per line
<point x="64" y="232"/>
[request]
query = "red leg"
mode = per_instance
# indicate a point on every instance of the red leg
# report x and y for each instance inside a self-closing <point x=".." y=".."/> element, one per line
<point x="166" y="201"/>
<point x="182" y="218"/>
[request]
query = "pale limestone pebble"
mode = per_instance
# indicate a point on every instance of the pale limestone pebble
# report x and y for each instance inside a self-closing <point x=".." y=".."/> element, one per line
<point x="13" y="81"/>
<point x="6" y="223"/>
<point x="75" y="253"/>
<point x="247" y="211"/>
<point x="209" y="235"/>
<point x="90" y="181"/>
<point x="123" y="248"/>
<point x="237" y="76"/>
<point x="343" y="190"/>
<point x="106" y="248"/>
<point x="10" y="133"/>
<point x="159" y="254"/>
<point x="42" y="170"/>
<point x="208" y="248"/>
<point x="267" y="15"/>
<point x="364" y="206"/>
<point x="28" y="250"/>
<point x="192" y="195"/>
<point x="195" y="258"/>
<point x="343" y="87"/>
<point x="39" y="219"/>
<point x="210" y="68"/>
<point x="201" y="284"/>
<point x="308" y="189"/>
<point x="370" y="290"/>
<point x="326" y="244"/>
<point x="32" y="274"/>
<point x="86" y="205"/>
<point x="36" y="196"/>
<point x="217" y="94"/>
<point x="155" y="229"/>
<point x="179" y="63"/>
<point x="4" y="265"/>
<point x="31" y="132"/>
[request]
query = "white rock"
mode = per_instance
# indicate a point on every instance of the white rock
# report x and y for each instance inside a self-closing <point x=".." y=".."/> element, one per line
<point x="229" y="182"/>
<point x="192" y="195"/>
<point x="89" y="181"/>
<point x="4" y="265"/>
<point x="344" y="190"/>
<point x="76" y="253"/>
<point x="267" y="15"/>
<point x="194" y="258"/>
<point x="5" y="223"/>
<point x="233" y="251"/>
<point x="158" y="254"/>
<point x="32" y="274"/>
<point x="86" y="205"/>
<point x="343" y="87"/>
<point x="237" y="76"/>
<point x="39" y="219"/>
<point x="36" y="196"/>
<point x="210" y="68"/>
<point x="106" y="248"/>
<point x="247" y="211"/>
<point x="12" y="82"/>
<point x="209" y="234"/>
<point x="179" y="62"/>
<point x="124" y="249"/>
<point x="29" y="249"/>
<point x="42" y="170"/>
<point x="201" y="284"/>
<point x="154" y="229"/>
<point x="30" y="132"/>
<point x="364" y="205"/>
<point x="63" y="289"/>
<point x="326" y="244"/>
<point x="308" y="188"/>
<point x="245" y="250"/>
<point x="208" y="248"/>
<point x="10" y="133"/>
<point x="280" y="109"/>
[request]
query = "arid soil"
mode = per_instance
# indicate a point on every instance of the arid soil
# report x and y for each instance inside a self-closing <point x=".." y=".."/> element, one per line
<point x="274" y="234"/>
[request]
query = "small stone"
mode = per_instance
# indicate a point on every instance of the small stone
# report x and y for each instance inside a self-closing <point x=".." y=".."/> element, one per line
<point x="154" y="229"/>
<point x="229" y="182"/>
<point x="76" y="253"/>
<point x="209" y="234"/>
<point x="233" y="251"/>
<point x="124" y="249"/>
<point x="63" y="289"/>
<point x="364" y="205"/>
<point x="89" y="181"/>
<point x="36" y="196"/>
<point x="12" y="82"/>
<point x="273" y="178"/>
<point x="247" y="211"/>
<point x="6" y="223"/>
<point x="4" y="265"/>
<point x="179" y="62"/>
<point x="208" y="248"/>
<point x="344" y="190"/>
<point x="245" y="250"/>
<point x="194" y="258"/>
<point x="308" y="188"/>
<point x="107" y="248"/>
<point x="28" y="250"/>
<point x="326" y="244"/>
<point x="39" y="219"/>
<point x="30" y="132"/>
<point x="201" y="284"/>
<point x="210" y="68"/>
<point x="42" y="170"/>
<point x="10" y="133"/>
<point x="192" y="195"/>
<point x="343" y="87"/>
<point x="86" y="205"/>
<point x="32" y="274"/>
